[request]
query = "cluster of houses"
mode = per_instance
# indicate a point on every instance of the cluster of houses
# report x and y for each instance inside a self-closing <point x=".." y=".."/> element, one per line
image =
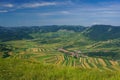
<point x="75" y="54"/>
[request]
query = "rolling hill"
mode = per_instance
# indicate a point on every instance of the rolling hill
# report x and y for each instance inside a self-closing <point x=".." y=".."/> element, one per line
<point x="102" y="32"/>
<point x="93" y="48"/>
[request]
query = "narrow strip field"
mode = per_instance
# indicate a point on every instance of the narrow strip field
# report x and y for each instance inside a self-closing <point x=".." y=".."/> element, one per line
<point x="58" y="58"/>
<point x="86" y="63"/>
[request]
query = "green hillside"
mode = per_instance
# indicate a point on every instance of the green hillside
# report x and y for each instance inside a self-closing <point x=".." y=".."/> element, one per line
<point x="60" y="52"/>
<point x="22" y="69"/>
<point x="103" y="32"/>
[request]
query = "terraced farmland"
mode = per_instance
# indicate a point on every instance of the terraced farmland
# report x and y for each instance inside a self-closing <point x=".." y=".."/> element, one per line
<point x="41" y="49"/>
<point x="52" y="56"/>
<point x="86" y="63"/>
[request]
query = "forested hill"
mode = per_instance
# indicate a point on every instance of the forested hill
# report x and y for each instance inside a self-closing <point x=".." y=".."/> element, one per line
<point x="102" y="32"/>
<point x="18" y="33"/>
<point x="95" y="32"/>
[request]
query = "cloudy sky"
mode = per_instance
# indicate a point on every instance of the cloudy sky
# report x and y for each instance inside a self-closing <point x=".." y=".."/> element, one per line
<point x="59" y="12"/>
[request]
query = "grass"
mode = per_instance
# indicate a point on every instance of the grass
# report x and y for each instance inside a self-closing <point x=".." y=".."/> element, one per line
<point x="22" y="69"/>
<point x="48" y="53"/>
<point x="38" y="61"/>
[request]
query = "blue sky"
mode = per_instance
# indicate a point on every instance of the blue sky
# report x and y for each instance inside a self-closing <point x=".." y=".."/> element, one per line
<point x="59" y="12"/>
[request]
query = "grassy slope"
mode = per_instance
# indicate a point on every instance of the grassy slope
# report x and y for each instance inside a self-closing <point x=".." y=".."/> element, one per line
<point x="46" y="44"/>
<point x="20" y="69"/>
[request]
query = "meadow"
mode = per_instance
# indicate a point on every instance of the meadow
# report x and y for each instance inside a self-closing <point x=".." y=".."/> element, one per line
<point x="24" y="69"/>
<point x="59" y="53"/>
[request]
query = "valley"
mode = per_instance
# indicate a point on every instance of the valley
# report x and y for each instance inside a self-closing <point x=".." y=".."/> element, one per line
<point x="72" y="47"/>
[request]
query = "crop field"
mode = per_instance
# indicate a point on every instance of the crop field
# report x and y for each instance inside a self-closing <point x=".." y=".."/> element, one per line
<point x="86" y="63"/>
<point x="60" y="53"/>
<point x="53" y="56"/>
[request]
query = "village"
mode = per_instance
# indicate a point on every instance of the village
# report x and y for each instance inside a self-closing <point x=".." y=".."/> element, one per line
<point x="75" y="54"/>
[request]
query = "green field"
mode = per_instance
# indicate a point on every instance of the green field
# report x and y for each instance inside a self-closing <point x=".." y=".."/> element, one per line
<point x="24" y="69"/>
<point x="64" y="54"/>
<point x="49" y="54"/>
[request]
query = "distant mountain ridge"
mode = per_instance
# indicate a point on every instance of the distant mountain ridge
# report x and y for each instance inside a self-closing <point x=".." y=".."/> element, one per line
<point x="95" y="32"/>
<point x="102" y="32"/>
<point x="18" y="33"/>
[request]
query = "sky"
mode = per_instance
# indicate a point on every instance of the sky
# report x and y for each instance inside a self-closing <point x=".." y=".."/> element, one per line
<point x="59" y="12"/>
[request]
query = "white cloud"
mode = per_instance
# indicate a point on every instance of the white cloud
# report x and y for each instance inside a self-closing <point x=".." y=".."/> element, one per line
<point x="3" y="11"/>
<point x="33" y="5"/>
<point x="54" y="13"/>
<point x="65" y="12"/>
<point x="13" y="7"/>
<point x="7" y="5"/>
